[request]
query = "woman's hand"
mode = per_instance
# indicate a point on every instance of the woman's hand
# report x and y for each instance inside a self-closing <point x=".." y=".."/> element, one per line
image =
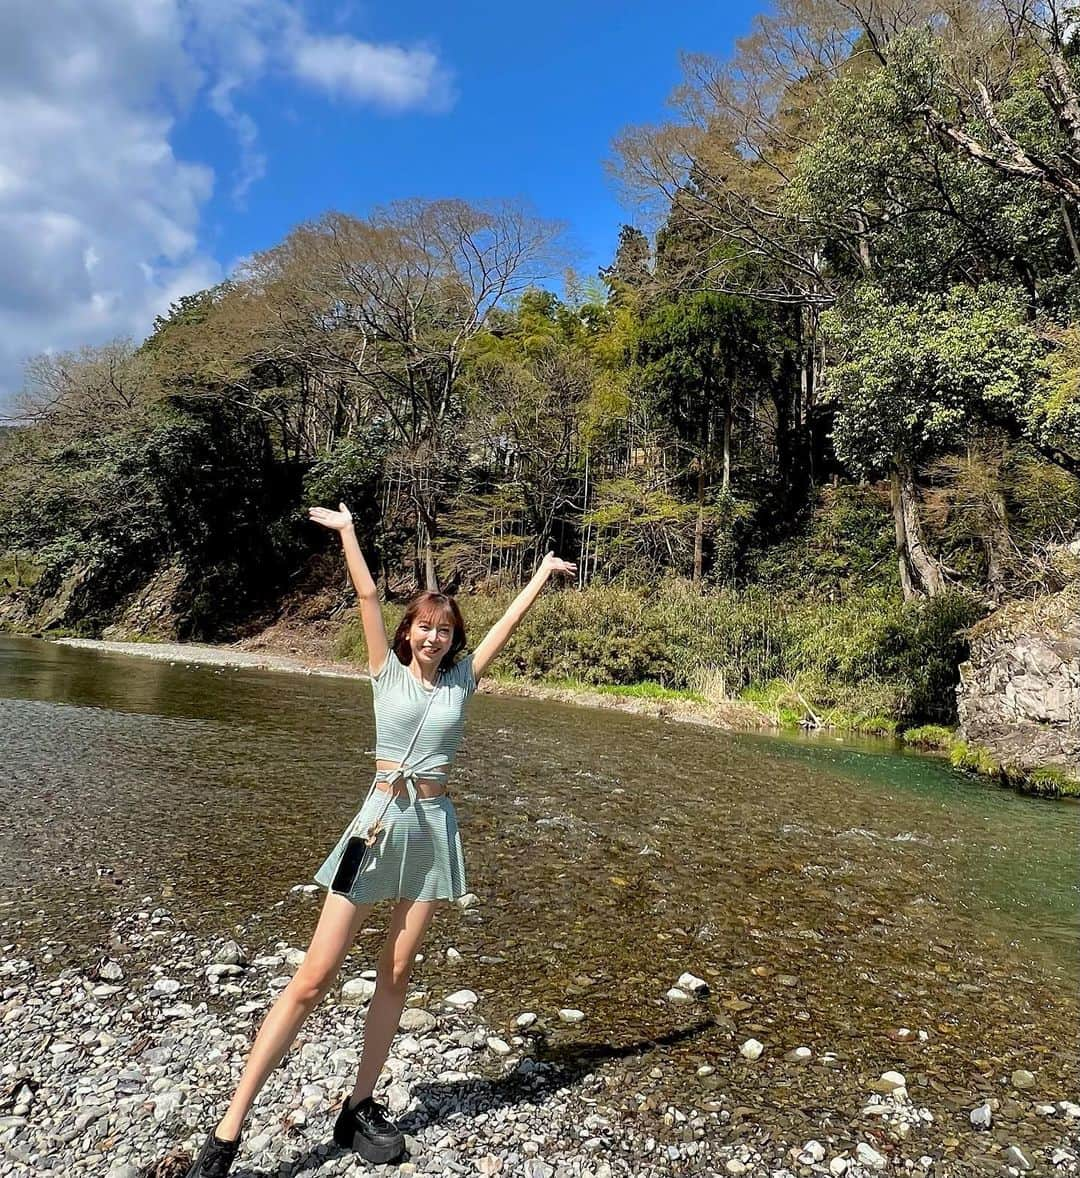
<point x="336" y="521"/>
<point x="553" y="564"/>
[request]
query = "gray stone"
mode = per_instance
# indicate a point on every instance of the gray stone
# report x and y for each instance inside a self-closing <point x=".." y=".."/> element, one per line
<point x="229" y="953"/>
<point x="1015" y="1157"/>
<point x="357" y="991"/>
<point x="1019" y="691"/>
<point x="417" y="1020"/>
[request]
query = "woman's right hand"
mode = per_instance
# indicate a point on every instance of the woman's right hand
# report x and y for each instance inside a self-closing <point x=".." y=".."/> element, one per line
<point x="336" y="521"/>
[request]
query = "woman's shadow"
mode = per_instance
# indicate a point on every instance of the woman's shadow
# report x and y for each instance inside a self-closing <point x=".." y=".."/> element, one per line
<point x="553" y="1066"/>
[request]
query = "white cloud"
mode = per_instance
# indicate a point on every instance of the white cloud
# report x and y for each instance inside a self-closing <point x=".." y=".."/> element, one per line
<point x="387" y="75"/>
<point x="91" y="193"/>
<point x="100" y="222"/>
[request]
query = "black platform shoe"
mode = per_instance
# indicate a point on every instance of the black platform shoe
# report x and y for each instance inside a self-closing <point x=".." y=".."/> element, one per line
<point x="365" y="1127"/>
<point x="215" y="1158"/>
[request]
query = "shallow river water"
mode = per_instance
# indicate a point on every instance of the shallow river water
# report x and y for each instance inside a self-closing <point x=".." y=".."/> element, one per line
<point x="830" y="892"/>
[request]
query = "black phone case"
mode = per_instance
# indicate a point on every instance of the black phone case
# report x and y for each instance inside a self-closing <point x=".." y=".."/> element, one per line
<point x="352" y="859"/>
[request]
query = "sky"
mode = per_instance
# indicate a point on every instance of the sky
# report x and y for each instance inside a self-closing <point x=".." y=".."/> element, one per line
<point x="148" y="146"/>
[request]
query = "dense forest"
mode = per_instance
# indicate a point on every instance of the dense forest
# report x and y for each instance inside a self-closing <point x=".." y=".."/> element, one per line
<point x="796" y="439"/>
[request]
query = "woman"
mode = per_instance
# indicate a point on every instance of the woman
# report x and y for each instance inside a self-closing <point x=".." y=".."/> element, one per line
<point x="420" y="692"/>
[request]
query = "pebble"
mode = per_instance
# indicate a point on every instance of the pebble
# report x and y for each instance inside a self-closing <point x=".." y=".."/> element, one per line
<point x="415" y="1019"/>
<point x="1022" y="1079"/>
<point x="229" y="953"/>
<point x="812" y="1153"/>
<point x="223" y="970"/>
<point x="357" y="991"/>
<point x="890" y="1082"/>
<point x="462" y="999"/>
<point x="981" y="1117"/>
<point x="570" y="1015"/>
<point x="1015" y="1157"/>
<point x="867" y="1156"/>
<point x="127" y="1082"/>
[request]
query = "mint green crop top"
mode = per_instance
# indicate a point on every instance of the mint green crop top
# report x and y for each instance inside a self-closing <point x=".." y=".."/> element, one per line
<point x="400" y="700"/>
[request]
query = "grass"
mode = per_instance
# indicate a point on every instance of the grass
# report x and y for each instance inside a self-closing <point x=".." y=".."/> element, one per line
<point x="1048" y="782"/>
<point x="643" y="690"/>
<point x="929" y="736"/>
<point x="17" y="572"/>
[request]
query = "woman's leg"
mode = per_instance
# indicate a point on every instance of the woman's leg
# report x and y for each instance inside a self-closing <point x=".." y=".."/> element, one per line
<point x="408" y="924"/>
<point x="338" y="925"/>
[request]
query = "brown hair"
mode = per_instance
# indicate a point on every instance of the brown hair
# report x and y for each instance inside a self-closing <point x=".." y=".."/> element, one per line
<point x="426" y="604"/>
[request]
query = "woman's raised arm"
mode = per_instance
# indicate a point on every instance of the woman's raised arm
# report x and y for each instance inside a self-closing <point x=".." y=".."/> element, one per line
<point x="496" y="638"/>
<point x="341" y="521"/>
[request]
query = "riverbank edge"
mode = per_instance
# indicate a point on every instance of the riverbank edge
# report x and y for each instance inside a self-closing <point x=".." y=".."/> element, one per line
<point x="727" y="716"/>
<point x="733" y="716"/>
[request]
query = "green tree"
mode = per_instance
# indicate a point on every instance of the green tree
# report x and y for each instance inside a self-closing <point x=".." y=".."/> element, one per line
<point x="913" y="379"/>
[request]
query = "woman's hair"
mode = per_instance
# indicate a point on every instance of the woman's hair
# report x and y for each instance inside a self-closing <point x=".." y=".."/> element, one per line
<point x="424" y="605"/>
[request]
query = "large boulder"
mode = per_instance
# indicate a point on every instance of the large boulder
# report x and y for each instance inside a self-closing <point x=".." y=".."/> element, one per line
<point x="1019" y="692"/>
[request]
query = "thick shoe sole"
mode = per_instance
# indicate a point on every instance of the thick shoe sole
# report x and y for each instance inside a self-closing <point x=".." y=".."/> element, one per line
<point x="370" y="1151"/>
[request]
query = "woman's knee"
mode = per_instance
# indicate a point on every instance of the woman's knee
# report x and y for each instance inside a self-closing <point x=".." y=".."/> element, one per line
<point x="312" y="982"/>
<point x="396" y="971"/>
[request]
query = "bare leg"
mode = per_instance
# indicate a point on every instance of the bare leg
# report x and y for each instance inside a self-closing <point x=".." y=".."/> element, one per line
<point x="408" y="924"/>
<point x="338" y="925"/>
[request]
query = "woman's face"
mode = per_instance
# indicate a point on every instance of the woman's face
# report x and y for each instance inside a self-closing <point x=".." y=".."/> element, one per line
<point x="430" y="638"/>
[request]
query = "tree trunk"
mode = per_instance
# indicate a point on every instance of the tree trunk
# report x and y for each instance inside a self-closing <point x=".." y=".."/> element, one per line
<point x="425" y="551"/>
<point x="699" y="525"/>
<point x="727" y="440"/>
<point x="1069" y="233"/>
<point x="920" y="572"/>
<point x="996" y="539"/>
<point x="810" y="364"/>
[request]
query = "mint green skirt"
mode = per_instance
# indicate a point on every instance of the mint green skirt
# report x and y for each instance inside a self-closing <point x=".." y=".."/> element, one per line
<point x="418" y="855"/>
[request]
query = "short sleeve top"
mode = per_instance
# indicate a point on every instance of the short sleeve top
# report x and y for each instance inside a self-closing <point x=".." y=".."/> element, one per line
<point x="400" y="701"/>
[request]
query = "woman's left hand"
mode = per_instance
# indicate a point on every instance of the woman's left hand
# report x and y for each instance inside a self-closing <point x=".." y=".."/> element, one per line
<point x="553" y="564"/>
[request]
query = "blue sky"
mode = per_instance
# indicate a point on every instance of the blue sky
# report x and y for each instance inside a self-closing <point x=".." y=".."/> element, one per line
<point x="537" y="95"/>
<point x="146" y="145"/>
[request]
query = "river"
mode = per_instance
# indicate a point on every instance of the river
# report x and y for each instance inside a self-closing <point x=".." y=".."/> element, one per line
<point x="831" y="892"/>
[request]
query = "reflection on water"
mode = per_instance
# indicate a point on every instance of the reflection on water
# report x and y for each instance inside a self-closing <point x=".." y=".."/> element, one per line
<point x="827" y="891"/>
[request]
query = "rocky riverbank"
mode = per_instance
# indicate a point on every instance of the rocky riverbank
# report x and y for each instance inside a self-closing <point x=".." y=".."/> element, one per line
<point x="117" y="1070"/>
<point x="1019" y="697"/>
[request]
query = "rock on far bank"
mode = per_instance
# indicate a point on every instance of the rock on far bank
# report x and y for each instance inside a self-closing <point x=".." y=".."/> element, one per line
<point x="1019" y="691"/>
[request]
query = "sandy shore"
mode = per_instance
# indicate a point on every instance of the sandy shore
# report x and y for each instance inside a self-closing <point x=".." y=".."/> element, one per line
<point x="731" y="715"/>
<point x="217" y="656"/>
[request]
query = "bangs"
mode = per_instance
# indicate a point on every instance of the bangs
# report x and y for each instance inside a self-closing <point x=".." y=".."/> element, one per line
<point x="434" y="614"/>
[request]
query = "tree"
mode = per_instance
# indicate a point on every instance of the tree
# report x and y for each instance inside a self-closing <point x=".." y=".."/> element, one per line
<point x="630" y="273"/>
<point x="528" y="385"/>
<point x="912" y="381"/>
<point x="704" y="361"/>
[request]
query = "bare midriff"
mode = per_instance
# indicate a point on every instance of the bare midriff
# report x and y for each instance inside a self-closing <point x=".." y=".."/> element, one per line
<point x="426" y="787"/>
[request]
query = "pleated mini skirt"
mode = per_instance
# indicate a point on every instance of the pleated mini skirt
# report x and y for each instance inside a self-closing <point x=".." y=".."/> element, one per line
<point x="418" y="855"/>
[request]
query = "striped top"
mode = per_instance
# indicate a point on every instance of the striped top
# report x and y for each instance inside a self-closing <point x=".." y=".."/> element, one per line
<point x="400" y="700"/>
